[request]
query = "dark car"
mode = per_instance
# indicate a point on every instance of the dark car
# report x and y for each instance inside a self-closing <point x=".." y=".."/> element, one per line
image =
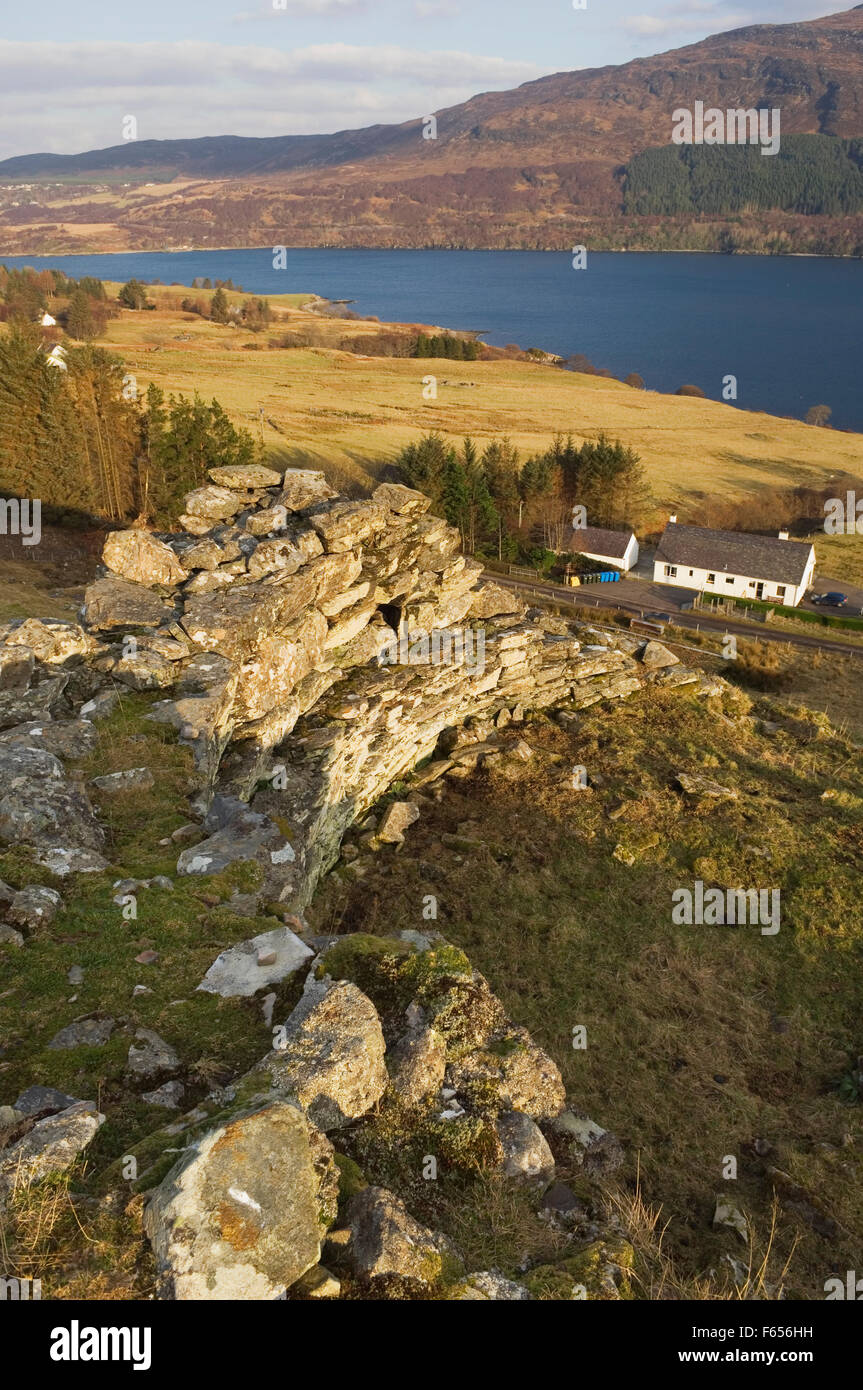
<point x="831" y="600"/>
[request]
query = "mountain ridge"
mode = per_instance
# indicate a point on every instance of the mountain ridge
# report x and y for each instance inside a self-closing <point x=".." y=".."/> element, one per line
<point x="514" y="168"/>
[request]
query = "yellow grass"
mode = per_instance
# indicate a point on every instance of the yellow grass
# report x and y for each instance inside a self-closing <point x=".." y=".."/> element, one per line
<point x="840" y="556"/>
<point x="324" y="407"/>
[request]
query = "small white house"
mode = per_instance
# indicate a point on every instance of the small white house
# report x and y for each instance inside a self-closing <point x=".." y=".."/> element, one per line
<point x="47" y="321"/>
<point x="733" y="564"/>
<point x="617" y="549"/>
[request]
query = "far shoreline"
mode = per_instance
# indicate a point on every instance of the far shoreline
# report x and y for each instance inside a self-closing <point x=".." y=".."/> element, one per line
<point x="424" y="250"/>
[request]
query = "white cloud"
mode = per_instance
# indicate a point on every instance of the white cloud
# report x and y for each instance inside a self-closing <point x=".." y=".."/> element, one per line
<point x="71" y="97"/>
<point x="300" y="9"/>
<point x="684" y="18"/>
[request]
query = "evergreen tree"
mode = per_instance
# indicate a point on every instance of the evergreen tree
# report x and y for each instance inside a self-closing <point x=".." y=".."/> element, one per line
<point x="219" y="306"/>
<point x="133" y="295"/>
<point x="80" y="320"/>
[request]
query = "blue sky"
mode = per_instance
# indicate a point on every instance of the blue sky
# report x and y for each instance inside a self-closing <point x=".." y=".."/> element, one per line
<point x="71" y="72"/>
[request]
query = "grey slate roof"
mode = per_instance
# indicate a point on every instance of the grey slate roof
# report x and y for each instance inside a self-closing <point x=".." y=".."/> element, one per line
<point x="734" y="552"/>
<point x="594" y="540"/>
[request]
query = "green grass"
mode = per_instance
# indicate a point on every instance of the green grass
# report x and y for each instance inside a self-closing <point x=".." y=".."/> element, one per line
<point x="214" y="1037"/>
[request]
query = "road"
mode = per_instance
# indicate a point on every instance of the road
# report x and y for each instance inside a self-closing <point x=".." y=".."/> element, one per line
<point x="641" y="596"/>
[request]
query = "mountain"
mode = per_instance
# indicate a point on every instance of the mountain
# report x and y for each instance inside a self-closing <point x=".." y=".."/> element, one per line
<point x="532" y="167"/>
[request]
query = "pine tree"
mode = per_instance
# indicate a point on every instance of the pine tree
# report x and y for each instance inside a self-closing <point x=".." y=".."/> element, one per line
<point x="219" y="306"/>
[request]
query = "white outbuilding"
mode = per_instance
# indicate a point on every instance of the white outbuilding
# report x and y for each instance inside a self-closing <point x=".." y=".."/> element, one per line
<point x="617" y="549"/>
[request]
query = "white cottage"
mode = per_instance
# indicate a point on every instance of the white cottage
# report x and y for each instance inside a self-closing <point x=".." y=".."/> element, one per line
<point x="47" y="321"/>
<point x="617" y="549"/>
<point x="733" y="564"/>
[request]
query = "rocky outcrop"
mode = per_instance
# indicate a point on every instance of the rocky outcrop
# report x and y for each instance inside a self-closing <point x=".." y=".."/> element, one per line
<point x="246" y="1209"/>
<point x="310" y="649"/>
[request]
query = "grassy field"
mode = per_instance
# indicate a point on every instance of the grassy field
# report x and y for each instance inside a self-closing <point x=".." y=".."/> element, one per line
<point x="840" y="555"/>
<point x="323" y="407"/>
<point x="702" y="1042"/>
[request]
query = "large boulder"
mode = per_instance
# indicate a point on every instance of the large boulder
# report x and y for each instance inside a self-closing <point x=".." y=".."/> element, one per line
<point x="143" y="558"/>
<point x="213" y="503"/>
<point x="112" y="603"/>
<point x="39" y="807"/>
<point x="387" y="1244"/>
<point x="235" y="621"/>
<point x="524" y="1077"/>
<point x="302" y="487"/>
<point x="331" y="1056"/>
<point x="245" y="476"/>
<point x="50" y="1146"/>
<point x="237" y="1217"/>
<point x="51" y="640"/>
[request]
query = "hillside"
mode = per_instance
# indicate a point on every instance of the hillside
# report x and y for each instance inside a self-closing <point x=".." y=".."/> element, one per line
<point x="367" y="893"/>
<point x="522" y="168"/>
<point x="350" y="412"/>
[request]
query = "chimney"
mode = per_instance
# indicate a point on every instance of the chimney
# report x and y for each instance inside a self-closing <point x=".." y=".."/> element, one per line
<point x="783" y="535"/>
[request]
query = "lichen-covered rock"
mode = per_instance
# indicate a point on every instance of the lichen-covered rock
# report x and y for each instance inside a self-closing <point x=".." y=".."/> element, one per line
<point x="523" y="1076"/>
<point x="602" y="1271"/>
<point x="131" y="779"/>
<point x="302" y="487"/>
<point x="693" y="784"/>
<point x="234" y="621"/>
<point x="386" y="1243"/>
<point x="591" y="1147"/>
<point x="117" y="603"/>
<point x="404" y="501"/>
<point x="238" y="836"/>
<point x="150" y="1056"/>
<point x="331" y="1056"/>
<point x="417" y="1064"/>
<point x="16" y="667"/>
<point x="491" y="600"/>
<point x="655" y="656"/>
<point x="397" y="818"/>
<point x="213" y="503"/>
<point x="245" y="476"/>
<point x="34" y="907"/>
<point x="143" y="558"/>
<point x="238" y="1216"/>
<point x="39" y="807"/>
<point x="492" y="1286"/>
<point x="50" y="1147"/>
<point x="526" y="1154"/>
<point x="51" y="640"/>
<point x="65" y="738"/>
<point x="86" y="1032"/>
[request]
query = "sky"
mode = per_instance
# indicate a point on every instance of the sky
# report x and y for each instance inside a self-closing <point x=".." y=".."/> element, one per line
<point x="71" y="73"/>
